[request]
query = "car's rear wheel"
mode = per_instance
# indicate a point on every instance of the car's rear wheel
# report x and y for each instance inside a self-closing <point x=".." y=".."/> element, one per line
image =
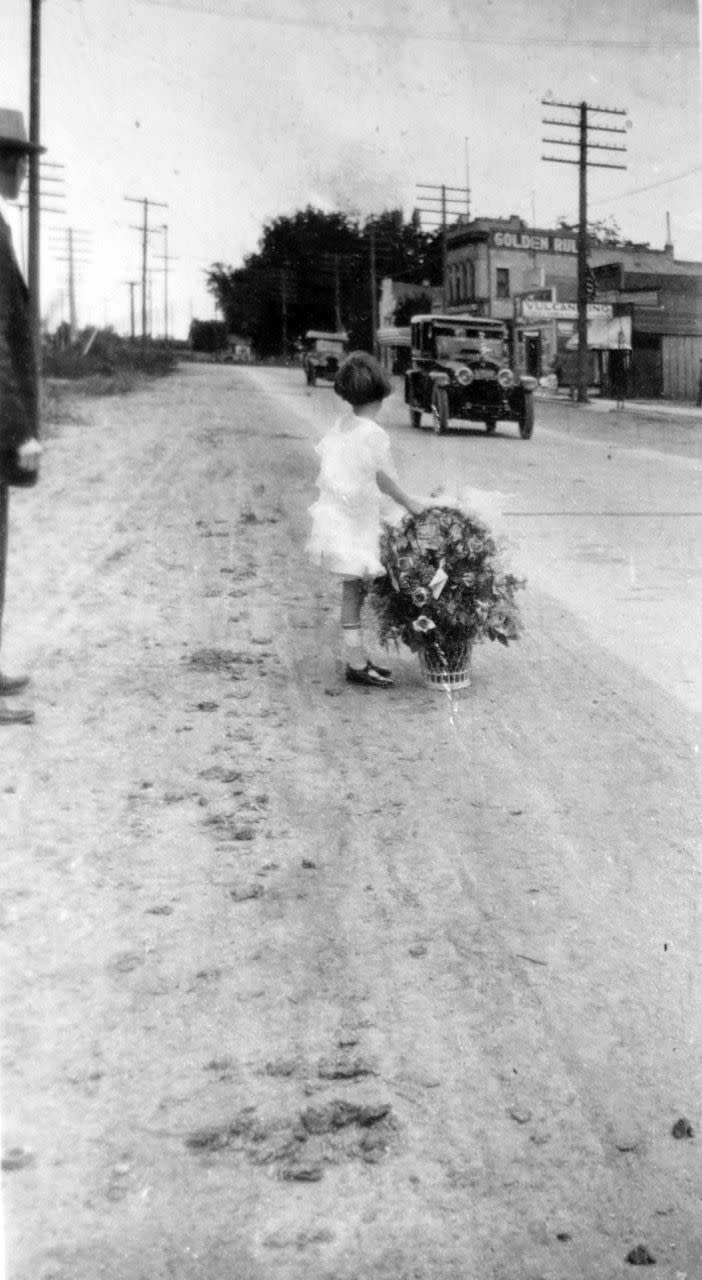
<point x="490" y="426"/>
<point x="415" y="417"/>
<point x="526" y="418"/>
<point x="440" y="410"/>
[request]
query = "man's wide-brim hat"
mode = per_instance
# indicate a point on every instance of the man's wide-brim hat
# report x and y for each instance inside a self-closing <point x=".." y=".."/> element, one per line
<point x="13" y="134"/>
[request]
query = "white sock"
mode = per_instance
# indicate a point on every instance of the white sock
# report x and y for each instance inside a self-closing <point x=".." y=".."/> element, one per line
<point x="353" y="645"/>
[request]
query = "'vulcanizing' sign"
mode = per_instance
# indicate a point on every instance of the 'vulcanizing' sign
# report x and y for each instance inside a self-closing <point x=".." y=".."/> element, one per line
<point x="533" y="309"/>
<point x="535" y="241"/>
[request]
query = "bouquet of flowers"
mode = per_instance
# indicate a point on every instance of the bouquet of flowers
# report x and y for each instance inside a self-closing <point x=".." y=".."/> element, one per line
<point x="445" y="588"/>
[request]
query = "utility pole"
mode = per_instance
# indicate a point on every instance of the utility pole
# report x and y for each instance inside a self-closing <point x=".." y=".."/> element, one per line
<point x="330" y="276"/>
<point x="583" y="354"/>
<point x="373" y="292"/>
<point x="583" y="146"/>
<point x="337" y="294"/>
<point x="131" y="285"/>
<point x="165" y="282"/>
<point x="444" y="251"/>
<point x="76" y="247"/>
<point x="33" y="275"/>
<point x="166" y="259"/>
<point x="144" y="228"/>
<point x="284" y="307"/>
<point x="447" y="198"/>
<point x="150" y="307"/>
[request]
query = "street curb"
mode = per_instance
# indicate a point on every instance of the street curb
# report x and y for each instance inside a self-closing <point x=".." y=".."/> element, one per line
<point x="644" y="408"/>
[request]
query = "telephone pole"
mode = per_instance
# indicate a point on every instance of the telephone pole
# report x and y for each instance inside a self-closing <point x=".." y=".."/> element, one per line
<point x="75" y="248"/>
<point x="451" y="202"/>
<point x="373" y="291"/>
<point x="583" y="146"/>
<point x="144" y="228"/>
<point x="332" y="266"/>
<point x="337" y="294"/>
<point x="166" y="259"/>
<point x="131" y="285"/>
<point x="33" y="280"/>
<point x="284" y="308"/>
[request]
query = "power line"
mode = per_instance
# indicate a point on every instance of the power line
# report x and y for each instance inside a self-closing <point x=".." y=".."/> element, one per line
<point x="651" y="186"/>
<point x="246" y="13"/>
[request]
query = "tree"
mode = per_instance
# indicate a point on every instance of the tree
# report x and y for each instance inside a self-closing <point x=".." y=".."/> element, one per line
<point x="603" y="231"/>
<point x="312" y="270"/>
<point x="417" y="304"/>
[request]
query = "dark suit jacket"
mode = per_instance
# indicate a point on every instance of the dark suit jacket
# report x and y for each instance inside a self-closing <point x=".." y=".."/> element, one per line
<point x="18" y="417"/>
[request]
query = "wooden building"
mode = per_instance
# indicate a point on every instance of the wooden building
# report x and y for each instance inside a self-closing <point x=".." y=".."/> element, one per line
<point x="665" y="312"/>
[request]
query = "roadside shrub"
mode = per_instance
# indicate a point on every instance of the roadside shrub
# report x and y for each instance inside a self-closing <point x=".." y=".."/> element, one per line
<point x="107" y="364"/>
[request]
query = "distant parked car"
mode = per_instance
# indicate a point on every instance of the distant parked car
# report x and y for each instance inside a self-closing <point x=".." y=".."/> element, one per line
<point x="237" y="351"/>
<point x="323" y="353"/>
<point x="209" y="336"/>
<point x="459" y="370"/>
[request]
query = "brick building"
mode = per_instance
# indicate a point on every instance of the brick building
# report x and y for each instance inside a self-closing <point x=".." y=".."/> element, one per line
<point x="501" y="267"/>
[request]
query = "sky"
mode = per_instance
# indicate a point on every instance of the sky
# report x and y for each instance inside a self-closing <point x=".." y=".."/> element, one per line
<point x="233" y="112"/>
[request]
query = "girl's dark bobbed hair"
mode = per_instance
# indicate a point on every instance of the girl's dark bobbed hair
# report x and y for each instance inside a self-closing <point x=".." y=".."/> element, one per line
<point x="362" y="380"/>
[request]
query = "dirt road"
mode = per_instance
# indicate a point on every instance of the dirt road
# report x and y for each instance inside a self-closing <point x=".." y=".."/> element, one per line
<point x="305" y="982"/>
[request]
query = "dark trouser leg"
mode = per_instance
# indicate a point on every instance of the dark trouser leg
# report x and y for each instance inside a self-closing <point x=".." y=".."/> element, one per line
<point x="8" y="715"/>
<point x="4" y="514"/>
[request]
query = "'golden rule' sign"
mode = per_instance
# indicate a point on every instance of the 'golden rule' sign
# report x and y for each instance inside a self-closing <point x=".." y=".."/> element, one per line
<point x="535" y="241"/>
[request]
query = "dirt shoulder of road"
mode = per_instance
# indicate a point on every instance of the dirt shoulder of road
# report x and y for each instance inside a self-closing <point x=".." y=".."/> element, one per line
<point x="303" y="981"/>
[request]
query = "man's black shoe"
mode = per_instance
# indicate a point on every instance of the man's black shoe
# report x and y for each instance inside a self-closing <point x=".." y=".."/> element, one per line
<point x="12" y="684"/>
<point x="16" y="715"/>
<point x="368" y="675"/>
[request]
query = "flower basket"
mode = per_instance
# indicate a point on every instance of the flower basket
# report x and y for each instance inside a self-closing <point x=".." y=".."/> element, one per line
<point x="446" y="671"/>
<point x="445" y="589"/>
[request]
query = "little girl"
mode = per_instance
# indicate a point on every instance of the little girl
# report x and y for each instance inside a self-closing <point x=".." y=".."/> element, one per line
<point x="356" y="471"/>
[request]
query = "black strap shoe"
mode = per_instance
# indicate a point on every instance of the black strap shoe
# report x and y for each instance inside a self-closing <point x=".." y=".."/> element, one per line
<point x="381" y="671"/>
<point x="368" y="675"/>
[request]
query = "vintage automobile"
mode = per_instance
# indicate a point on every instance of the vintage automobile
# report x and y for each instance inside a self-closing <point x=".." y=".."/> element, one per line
<point x="459" y="371"/>
<point x="322" y="354"/>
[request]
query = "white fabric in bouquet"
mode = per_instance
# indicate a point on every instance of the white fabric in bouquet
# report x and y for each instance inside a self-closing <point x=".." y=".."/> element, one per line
<point x="486" y="504"/>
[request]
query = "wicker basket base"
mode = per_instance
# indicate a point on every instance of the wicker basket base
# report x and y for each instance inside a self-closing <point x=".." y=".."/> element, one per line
<point x="453" y="673"/>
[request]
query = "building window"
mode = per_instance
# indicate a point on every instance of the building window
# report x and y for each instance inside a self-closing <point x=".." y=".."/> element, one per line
<point x="468" y="281"/>
<point x="502" y="284"/>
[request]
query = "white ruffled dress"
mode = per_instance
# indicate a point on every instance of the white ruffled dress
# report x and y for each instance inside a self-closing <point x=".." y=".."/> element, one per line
<point x="347" y="516"/>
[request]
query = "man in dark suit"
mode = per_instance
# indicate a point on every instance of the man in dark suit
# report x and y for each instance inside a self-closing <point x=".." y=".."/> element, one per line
<point x="19" y="444"/>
